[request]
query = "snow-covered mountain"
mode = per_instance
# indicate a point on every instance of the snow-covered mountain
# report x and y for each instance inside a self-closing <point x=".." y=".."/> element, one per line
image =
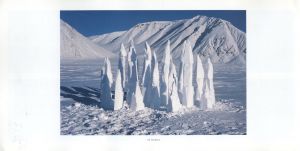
<point x="73" y="45"/>
<point x="215" y="37"/>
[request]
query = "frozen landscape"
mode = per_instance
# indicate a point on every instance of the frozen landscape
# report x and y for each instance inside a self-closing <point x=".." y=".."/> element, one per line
<point x="82" y="70"/>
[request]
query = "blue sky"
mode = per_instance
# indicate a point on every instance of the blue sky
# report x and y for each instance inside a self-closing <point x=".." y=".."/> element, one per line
<point x="91" y="23"/>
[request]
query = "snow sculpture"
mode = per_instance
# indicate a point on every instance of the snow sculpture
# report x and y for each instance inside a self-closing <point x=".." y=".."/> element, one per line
<point x="133" y="76"/>
<point x="205" y="96"/>
<point x="135" y="97"/>
<point x="210" y="84"/>
<point x="130" y="62"/>
<point x="136" y="102"/>
<point x="173" y="102"/>
<point x="185" y="87"/>
<point x="105" y="96"/>
<point x="199" y="83"/>
<point x="119" y="94"/>
<point x="146" y="77"/>
<point x="180" y="82"/>
<point x="122" y="64"/>
<point x="165" y="75"/>
<point x="152" y="93"/>
<point x="107" y="71"/>
<point x="102" y="71"/>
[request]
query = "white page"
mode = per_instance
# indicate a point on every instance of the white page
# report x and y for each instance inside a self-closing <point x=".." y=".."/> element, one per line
<point x="30" y="78"/>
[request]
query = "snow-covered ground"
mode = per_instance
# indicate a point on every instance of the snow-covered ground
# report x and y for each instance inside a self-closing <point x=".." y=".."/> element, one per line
<point x="81" y="114"/>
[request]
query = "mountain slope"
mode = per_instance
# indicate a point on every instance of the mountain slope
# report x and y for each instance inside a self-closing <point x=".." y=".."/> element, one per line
<point x="73" y="45"/>
<point x="215" y="37"/>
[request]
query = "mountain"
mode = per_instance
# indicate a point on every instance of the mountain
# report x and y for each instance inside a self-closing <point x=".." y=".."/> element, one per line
<point x="73" y="45"/>
<point x="208" y="36"/>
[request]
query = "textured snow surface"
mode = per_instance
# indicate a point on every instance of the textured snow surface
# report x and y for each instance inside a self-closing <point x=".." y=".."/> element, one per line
<point x="81" y="112"/>
<point x="91" y="120"/>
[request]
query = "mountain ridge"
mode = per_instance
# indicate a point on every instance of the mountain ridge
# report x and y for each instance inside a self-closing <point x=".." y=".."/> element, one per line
<point x="208" y="36"/>
<point x="74" y="45"/>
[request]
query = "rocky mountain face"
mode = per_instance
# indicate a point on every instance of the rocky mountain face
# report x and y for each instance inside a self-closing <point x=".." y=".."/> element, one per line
<point x="208" y="36"/>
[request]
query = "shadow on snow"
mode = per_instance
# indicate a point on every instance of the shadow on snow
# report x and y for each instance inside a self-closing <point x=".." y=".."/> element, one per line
<point x="87" y="96"/>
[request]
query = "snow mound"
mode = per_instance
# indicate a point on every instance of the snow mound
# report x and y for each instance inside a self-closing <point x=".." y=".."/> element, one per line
<point x="73" y="45"/>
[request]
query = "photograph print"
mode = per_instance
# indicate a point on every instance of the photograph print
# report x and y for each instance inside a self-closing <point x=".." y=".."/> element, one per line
<point x="160" y="72"/>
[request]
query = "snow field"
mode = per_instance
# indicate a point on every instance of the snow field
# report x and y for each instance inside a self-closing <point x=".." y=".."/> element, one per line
<point x="82" y="112"/>
<point x="92" y="120"/>
<point x="81" y="115"/>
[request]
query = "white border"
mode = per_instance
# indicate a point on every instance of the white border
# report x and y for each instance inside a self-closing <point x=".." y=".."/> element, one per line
<point x="30" y="78"/>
